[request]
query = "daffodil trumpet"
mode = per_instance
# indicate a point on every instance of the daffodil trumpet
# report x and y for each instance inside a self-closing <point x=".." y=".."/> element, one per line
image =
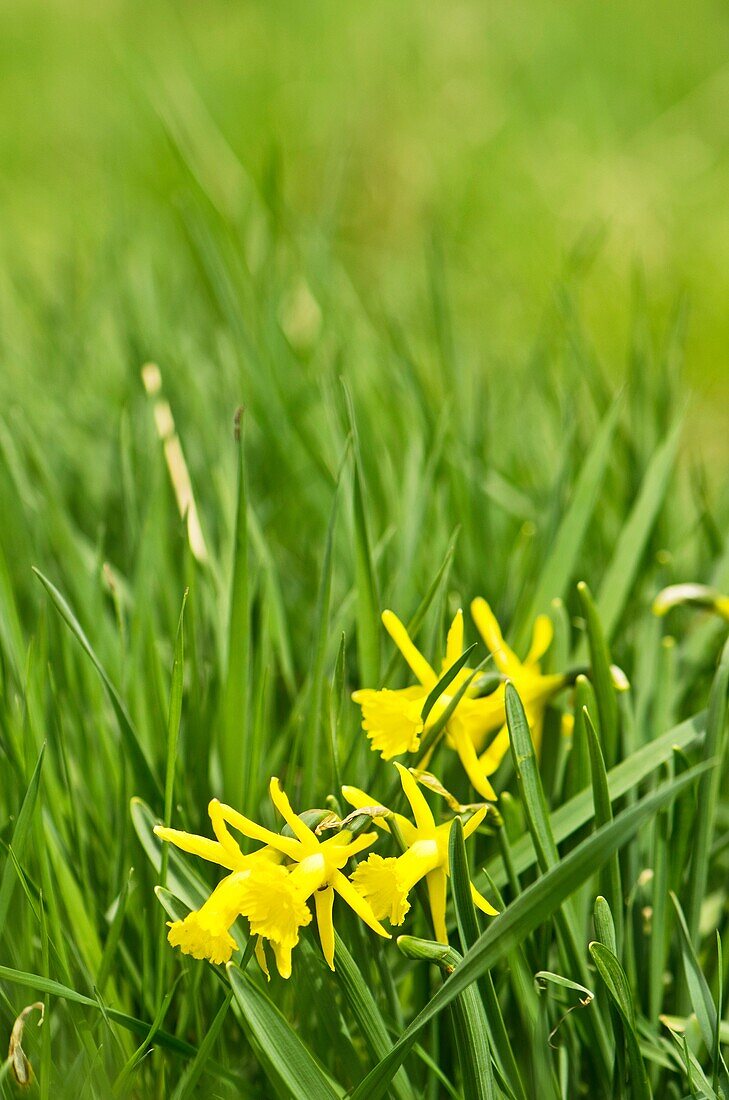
<point x="386" y="882"/>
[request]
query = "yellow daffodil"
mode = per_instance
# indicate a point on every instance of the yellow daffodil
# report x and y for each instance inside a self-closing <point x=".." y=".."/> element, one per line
<point x="393" y="720"/>
<point x="205" y="932"/>
<point x="386" y="882"/>
<point x="534" y="687"/>
<point x="271" y="894"/>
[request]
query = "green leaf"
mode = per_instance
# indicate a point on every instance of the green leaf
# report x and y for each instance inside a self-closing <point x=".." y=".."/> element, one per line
<point x="578" y="763"/>
<point x="20" y="835"/>
<point x="447" y="678"/>
<point x="700" y="995"/>
<point x="538" y="822"/>
<point x="707" y="797"/>
<point x="546" y="977"/>
<point x="287" y="1062"/>
<point x="604" y="923"/>
<point x="234" y="752"/>
<point x="368" y="601"/>
<point x="312" y="738"/>
<point x="604" y="814"/>
<point x="529" y="780"/>
<point x="367" y="1015"/>
<point x="607" y="703"/>
<point x="188" y="1083"/>
<point x="436" y="729"/>
<point x="620" y="575"/>
<point x="130" y="1023"/>
<point x="617" y="986"/>
<point x="175" y="710"/>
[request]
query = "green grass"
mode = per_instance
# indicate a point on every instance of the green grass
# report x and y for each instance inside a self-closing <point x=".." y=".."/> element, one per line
<point x="240" y="199"/>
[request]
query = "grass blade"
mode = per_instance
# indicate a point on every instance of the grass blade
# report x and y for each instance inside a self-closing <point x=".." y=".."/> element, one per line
<point x="607" y="703"/>
<point x="368" y="602"/>
<point x="700" y="996"/>
<point x="469" y="1018"/>
<point x="707" y="796"/>
<point x="617" y="986"/>
<point x="367" y="1015"/>
<point x="538" y="822"/>
<point x="288" y="1064"/>
<point x="604" y="814"/>
<point x="234" y="752"/>
<point x="143" y="773"/>
<point x="620" y="576"/>
<point x="20" y="835"/>
<point x="557" y="570"/>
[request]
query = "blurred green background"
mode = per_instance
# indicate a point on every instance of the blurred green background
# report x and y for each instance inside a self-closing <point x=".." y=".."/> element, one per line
<point x="519" y="133"/>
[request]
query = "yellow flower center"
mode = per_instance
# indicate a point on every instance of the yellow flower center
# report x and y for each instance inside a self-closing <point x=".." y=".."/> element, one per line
<point x="204" y="933"/>
<point x="386" y="883"/>
<point x="377" y="880"/>
<point x="202" y="939"/>
<point x="275" y="909"/>
<point x="391" y="719"/>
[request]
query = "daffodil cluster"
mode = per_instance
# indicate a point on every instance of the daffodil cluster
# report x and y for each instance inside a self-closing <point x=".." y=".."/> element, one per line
<point x="273" y="888"/>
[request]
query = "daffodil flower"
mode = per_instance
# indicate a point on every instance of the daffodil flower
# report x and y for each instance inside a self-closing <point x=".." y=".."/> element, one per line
<point x="273" y="896"/>
<point x="393" y="720"/>
<point x="534" y="687"/>
<point x="205" y="932"/>
<point x="386" y="882"/>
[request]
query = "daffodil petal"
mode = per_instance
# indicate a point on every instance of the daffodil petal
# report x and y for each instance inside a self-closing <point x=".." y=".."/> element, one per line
<point x="436" y="883"/>
<point x="289" y="847"/>
<point x="490" y="759"/>
<point x="392" y="719"/>
<point x="361" y="801"/>
<point x="221" y="830"/>
<point x="480" y="902"/>
<point x="323" y="902"/>
<point x="280" y="800"/>
<point x="542" y="635"/>
<point x="471" y="764"/>
<point x="353" y="847"/>
<point x="260" y="953"/>
<point x="379" y="881"/>
<point x="410" y="652"/>
<point x="454" y="641"/>
<point x="474" y="821"/>
<point x="201" y="846"/>
<point x="355" y="901"/>
<point x="421" y="810"/>
<point x="504" y="658"/>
